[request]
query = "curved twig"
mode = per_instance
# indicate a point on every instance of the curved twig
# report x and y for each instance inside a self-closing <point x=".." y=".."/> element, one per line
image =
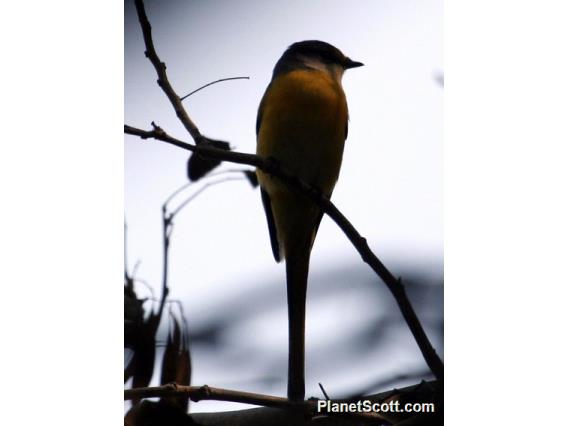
<point x="212" y="83"/>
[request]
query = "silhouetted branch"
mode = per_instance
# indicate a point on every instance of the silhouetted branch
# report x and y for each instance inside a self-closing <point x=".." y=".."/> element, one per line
<point x="387" y="382"/>
<point x="160" y="67"/>
<point x="360" y="243"/>
<point x="167" y="229"/>
<point x="166" y="232"/>
<point x="324" y="392"/>
<point x="203" y="188"/>
<point x="208" y="184"/>
<point x="277" y="411"/>
<point x="200" y="393"/>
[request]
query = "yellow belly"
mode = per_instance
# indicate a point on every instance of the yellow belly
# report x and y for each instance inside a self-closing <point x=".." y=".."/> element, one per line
<point x="304" y="114"/>
<point x="304" y="117"/>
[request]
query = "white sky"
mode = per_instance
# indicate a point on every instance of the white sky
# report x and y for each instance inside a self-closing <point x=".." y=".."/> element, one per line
<point x="391" y="180"/>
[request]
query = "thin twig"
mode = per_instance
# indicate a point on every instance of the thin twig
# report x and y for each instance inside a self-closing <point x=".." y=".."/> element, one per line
<point x="324" y="392"/>
<point x="176" y="192"/>
<point x="210" y="84"/>
<point x="135" y="269"/>
<point x="227" y="171"/>
<point x="360" y="243"/>
<point x="166" y="230"/>
<point x="200" y="190"/>
<point x="200" y="393"/>
<point x="388" y="382"/>
<point x="188" y="184"/>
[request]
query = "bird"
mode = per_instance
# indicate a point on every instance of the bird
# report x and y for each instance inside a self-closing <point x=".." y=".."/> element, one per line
<point x="301" y="124"/>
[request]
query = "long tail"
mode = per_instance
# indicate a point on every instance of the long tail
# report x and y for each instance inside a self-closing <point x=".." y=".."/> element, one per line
<point x="297" y="265"/>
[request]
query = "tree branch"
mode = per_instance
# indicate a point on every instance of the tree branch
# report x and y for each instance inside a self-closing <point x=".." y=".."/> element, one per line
<point x="166" y="229"/>
<point x="278" y="411"/>
<point x="360" y="243"/>
<point x="200" y="393"/>
<point x="160" y="67"/>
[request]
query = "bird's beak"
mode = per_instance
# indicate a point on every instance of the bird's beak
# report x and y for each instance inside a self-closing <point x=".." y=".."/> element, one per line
<point x="352" y="64"/>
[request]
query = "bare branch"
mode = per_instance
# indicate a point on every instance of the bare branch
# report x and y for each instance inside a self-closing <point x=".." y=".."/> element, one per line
<point x="200" y="190"/>
<point x="360" y="243"/>
<point x="212" y="83"/>
<point x="199" y="393"/>
<point x="160" y="67"/>
<point x="327" y="398"/>
<point x="166" y="230"/>
<point x="176" y="192"/>
<point x="206" y="185"/>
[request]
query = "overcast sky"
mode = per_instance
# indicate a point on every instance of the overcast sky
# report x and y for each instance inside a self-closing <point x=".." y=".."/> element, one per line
<point x="390" y="185"/>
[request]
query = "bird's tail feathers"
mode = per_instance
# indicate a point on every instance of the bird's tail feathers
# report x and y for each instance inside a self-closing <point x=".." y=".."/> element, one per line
<point x="297" y="265"/>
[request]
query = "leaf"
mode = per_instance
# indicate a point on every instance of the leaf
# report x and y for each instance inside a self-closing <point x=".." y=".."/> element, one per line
<point x="133" y="317"/>
<point x="176" y="366"/>
<point x="134" y="331"/>
<point x="144" y="354"/>
<point x="170" y="360"/>
<point x="197" y="166"/>
<point x="252" y="178"/>
<point x="183" y="377"/>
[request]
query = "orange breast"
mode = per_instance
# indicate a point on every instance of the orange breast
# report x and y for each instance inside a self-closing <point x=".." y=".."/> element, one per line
<point x="304" y="115"/>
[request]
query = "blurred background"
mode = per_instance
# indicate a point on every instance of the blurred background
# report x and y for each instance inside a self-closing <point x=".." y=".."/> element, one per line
<point x="221" y="265"/>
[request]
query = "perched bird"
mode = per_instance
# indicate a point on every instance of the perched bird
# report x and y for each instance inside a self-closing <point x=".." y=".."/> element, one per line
<point x="302" y="124"/>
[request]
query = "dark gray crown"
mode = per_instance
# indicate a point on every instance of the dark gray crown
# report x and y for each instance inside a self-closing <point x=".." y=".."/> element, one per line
<point x="325" y="52"/>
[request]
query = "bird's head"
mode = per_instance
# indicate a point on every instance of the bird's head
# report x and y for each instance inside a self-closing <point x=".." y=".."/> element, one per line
<point x="315" y="54"/>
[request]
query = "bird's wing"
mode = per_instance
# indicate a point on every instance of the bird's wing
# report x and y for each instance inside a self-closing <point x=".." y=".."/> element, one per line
<point x="318" y="220"/>
<point x="271" y="225"/>
<point x="259" y="113"/>
<point x="320" y="216"/>
<point x="266" y="200"/>
<point x="258" y="120"/>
